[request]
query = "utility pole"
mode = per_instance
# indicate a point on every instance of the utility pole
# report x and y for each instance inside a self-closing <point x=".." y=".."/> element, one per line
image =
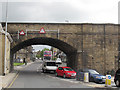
<point x="5" y="38"/>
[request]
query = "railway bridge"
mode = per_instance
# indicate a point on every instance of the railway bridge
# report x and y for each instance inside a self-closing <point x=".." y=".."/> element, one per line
<point x="87" y="45"/>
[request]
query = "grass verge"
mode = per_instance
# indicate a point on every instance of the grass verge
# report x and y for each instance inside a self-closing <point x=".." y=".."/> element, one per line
<point x="17" y="64"/>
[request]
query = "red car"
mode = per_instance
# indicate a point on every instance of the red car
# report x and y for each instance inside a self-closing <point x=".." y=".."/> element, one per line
<point x="65" y="72"/>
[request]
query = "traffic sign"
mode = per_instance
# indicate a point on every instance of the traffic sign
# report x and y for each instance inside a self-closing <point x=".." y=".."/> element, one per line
<point x="22" y="32"/>
<point x="109" y="77"/>
<point x="42" y="30"/>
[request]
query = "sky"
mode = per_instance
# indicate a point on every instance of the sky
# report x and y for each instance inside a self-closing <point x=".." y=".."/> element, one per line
<point x="60" y="11"/>
<point x="80" y="11"/>
<point x="40" y="47"/>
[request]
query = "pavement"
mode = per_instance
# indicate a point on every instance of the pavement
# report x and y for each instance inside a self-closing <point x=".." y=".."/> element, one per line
<point x="6" y="80"/>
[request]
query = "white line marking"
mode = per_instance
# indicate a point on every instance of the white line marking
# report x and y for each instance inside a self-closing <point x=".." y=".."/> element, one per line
<point x="63" y="79"/>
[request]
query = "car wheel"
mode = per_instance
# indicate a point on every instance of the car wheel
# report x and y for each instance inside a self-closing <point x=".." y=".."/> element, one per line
<point x="56" y="74"/>
<point x="117" y="83"/>
<point x="64" y="76"/>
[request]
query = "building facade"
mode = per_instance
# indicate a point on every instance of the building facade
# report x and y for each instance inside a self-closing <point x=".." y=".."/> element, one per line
<point x="26" y="53"/>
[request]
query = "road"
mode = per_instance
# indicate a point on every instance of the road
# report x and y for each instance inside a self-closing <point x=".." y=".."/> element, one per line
<point x="30" y="78"/>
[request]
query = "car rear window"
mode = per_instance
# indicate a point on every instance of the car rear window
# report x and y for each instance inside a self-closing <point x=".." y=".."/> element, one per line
<point x="51" y="64"/>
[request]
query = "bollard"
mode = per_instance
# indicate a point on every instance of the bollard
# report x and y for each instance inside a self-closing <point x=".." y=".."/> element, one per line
<point x="86" y="77"/>
<point x="108" y="81"/>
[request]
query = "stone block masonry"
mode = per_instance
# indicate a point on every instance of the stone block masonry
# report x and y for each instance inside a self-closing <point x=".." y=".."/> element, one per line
<point x="94" y="46"/>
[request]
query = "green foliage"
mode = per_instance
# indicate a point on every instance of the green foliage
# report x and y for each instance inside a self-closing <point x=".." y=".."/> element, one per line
<point x="38" y="56"/>
<point x="55" y="58"/>
<point x="17" y="64"/>
<point x="41" y="53"/>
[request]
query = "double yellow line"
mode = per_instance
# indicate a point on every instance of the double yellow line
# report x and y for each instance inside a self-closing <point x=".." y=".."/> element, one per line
<point x="16" y="77"/>
<point x="13" y="80"/>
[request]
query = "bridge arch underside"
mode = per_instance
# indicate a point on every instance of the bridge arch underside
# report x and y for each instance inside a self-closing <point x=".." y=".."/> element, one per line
<point x="70" y="51"/>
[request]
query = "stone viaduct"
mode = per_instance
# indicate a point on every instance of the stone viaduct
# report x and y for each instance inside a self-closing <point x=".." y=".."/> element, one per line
<point x="86" y="45"/>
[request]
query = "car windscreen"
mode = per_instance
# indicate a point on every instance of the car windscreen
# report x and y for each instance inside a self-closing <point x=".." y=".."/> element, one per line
<point x="51" y="64"/>
<point x="68" y="69"/>
<point x="93" y="72"/>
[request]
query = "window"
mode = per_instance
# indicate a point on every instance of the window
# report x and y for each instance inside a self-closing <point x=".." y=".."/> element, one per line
<point x="93" y="72"/>
<point x="68" y="69"/>
<point x="60" y="68"/>
<point x="51" y="64"/>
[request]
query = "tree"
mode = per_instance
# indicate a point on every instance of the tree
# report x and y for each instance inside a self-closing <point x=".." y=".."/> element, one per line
<point x="40" y="55"/>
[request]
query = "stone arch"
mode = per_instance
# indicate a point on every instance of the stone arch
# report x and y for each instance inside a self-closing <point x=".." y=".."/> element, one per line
<point x="69" y="50"/>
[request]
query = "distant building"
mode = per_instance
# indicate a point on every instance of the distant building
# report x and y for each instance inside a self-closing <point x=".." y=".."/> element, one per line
<point x="26" y="53"/>
<point x="59" y="54"/>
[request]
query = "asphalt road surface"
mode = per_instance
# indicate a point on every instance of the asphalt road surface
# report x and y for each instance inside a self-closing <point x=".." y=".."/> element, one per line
<point x="30" y="78"/>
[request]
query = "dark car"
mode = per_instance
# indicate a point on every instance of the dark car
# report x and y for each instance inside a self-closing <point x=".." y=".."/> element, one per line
<point x="117" y="78"/>
<point x="94" y="76"/>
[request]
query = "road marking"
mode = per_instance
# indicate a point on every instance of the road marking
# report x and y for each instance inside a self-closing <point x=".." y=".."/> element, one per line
<point x="18" y="74"/>
<point x="13" y="81"/>
<point x="62" y="79"/>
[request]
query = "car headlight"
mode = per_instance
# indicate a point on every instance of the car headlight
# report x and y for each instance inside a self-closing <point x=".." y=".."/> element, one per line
<point x="98" y="77"/>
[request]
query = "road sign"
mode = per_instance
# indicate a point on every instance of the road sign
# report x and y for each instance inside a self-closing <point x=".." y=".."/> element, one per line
<point x="109" y="77"/>
<point x="22" y="32"/>
<point x="108" y="81"/>
<point x="42" y="30"/>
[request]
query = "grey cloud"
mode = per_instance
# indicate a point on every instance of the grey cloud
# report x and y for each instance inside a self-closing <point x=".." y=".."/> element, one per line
<point x="44" y="11"/>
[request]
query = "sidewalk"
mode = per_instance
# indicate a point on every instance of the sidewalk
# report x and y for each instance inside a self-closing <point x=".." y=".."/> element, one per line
<point x="7" y="79"/>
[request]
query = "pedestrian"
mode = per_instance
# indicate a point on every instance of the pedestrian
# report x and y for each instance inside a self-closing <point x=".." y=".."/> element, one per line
<point x="24" y="61"/>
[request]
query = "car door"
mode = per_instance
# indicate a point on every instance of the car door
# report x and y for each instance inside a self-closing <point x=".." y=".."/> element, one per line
<point x="62" y="71"/>
<point x="59" y="71"/>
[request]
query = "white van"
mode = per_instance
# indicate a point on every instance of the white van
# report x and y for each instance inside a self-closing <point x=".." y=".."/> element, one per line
<point x="49" y="66"/>
<point x="58" y="61"/>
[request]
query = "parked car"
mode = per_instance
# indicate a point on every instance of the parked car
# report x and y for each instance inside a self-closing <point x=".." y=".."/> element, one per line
<point x="49" y="65"/>
<point x="65" y="72"/>
<point x="58" y="61"/>
<point x="94" y="76"/>
<point x="117" y="78"/>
